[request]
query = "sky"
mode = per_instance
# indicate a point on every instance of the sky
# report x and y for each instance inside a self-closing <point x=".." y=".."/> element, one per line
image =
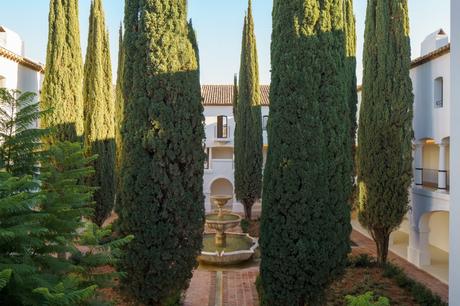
<point x="218" y="24"/>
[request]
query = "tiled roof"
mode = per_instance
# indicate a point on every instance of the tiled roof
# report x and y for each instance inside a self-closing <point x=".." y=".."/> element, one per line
<point x="223" y="94"/>
<point x="430" y="56"/>
<point x="426" y="58"/>
<point x="21" y="60"/>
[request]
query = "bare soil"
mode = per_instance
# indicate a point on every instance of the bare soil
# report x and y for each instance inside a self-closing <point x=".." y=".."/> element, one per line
<point x="357" y="281"/>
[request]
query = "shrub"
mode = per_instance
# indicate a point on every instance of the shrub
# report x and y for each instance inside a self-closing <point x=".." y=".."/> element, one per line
<point x="245" y="223"/>
<point x="366" y="299"/>
<point x="421" y="294"/>
<point x="361" y="261"/>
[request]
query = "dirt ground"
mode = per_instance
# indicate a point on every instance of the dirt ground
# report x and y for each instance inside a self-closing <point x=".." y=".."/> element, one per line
<point x="357" y="281"/>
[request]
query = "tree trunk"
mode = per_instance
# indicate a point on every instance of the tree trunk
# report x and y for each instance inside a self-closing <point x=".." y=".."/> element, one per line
<point x="382" y="241"/>
<point x="248" y="209"/>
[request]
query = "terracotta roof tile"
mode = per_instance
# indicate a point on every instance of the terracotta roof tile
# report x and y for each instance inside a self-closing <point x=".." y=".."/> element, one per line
<point x="425" y="59"/>
<point x="24" y="61"/>
<point x="223" y="94"/>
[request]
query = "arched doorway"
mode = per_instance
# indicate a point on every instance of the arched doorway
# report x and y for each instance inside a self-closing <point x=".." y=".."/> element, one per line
<point x="222" y="186"/>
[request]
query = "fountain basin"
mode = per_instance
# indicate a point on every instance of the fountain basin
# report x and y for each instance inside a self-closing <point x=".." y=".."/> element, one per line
<point x="239" y="248"/>
<point x="222" y="222"/>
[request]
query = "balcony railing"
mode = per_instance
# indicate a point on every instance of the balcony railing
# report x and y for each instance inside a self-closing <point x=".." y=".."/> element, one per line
<point x="430" y="178"/>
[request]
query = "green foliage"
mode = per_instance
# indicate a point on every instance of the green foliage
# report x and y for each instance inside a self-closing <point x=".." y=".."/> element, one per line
<point x="384" y="153"/>
<point x="161" y="181"/>
<point x="305" y="223"/>
<point x="21" y="144"/>
<point x="366" y="299"/>
<point x="235" y="96"/>
<point x="43" y="210"/>
<point x="361" y="261"/>
<point x="248" y="123"/>
<point x="421" y="294"/>
<point x="5" y="276"/>
<point x="351" y="83"/>
<point x="119" y="107"/>
<point x="260" y="291"/>
<point x="62" y="85"/>
<point x="100" y="113"/>
<point x="245" y="223"/>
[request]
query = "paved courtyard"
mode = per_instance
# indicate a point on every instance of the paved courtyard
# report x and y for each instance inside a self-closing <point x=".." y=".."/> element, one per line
<point x="236" y="287"/>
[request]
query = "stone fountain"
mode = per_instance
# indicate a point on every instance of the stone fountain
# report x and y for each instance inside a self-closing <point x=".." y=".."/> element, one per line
<point x="222" y="247"/>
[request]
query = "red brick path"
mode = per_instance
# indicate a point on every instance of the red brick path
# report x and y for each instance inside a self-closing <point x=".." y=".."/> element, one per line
<point x="237" y="287"/>
<point x="202" y="289"/>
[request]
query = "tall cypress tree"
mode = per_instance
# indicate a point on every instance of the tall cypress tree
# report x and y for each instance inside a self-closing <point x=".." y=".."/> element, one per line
<point x="99" y="112"/>
<point x="385" y="122"/>
<point x="162" y="200"/>
<point x="119" y="106"/>
<point x="306" y="219"/>
<point x="62" y="85"/>
<point x="235" y="96"/>
<point x="248" y="128"/>
<point x="350" y="63"/>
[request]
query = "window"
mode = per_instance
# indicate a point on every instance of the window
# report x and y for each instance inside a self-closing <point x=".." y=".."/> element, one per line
<point x="2" y="82"/>
<point x="206" y="160"/>
<point x="222" y="127"/>
<point x="264" y="122"/>
<point x="438" y="93"/>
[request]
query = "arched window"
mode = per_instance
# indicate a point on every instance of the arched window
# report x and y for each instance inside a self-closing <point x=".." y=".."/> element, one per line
<point x="264" y="122"/>
<point x="438" y="92"/>
<point x="222" y="127"/>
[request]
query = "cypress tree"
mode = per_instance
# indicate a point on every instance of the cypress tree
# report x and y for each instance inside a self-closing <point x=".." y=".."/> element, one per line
<point x="62" y="85"/>
<point x="235" y="96"/>
<point x="306" y="217"/>
<point x="119" y="106"/>
<point x="100" y="112"/>
<point x="385" y="122"/>
<point x="162" y="200"/>
<point x="248" y="128"/>
<point x="350" y="64"/>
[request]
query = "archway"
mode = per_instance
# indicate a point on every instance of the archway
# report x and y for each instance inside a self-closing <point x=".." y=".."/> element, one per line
<point x="222" y="186"/>
<point x="436" y="226"/>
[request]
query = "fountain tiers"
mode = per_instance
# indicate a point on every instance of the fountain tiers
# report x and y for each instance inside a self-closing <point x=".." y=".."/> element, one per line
<point x="221" y="221"/>
<point x="241" y="247"/>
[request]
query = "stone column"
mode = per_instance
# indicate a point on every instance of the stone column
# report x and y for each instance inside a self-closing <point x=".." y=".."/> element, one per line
<point x="418" y="161"/>
<point x="442" y="171"/>
<point x="418" y="251"/>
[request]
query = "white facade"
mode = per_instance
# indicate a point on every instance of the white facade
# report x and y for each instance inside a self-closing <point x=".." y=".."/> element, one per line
<point x="454" y="269"/>
<point x="423" y="238"/>
<point x="17" y="71"/>
<point x="219" y="169"/>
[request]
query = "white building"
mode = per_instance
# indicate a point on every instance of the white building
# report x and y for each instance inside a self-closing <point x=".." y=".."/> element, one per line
<point x="423" y="238"/>
<point x="17" y="71"/>
<point x="454" y="268"/>
<point x="220" y="126"/>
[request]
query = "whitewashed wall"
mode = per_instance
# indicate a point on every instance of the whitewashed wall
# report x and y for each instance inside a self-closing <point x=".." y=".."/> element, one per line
<point x="221" y="168"/>
<point x="454" y="260"/>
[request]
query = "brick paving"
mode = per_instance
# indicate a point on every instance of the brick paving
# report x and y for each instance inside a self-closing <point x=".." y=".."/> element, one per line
<point x="236" y="287"/>
<point x="239" y="287"/>
<point x="367" y="245"/>
<point x="201" y="291"/>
